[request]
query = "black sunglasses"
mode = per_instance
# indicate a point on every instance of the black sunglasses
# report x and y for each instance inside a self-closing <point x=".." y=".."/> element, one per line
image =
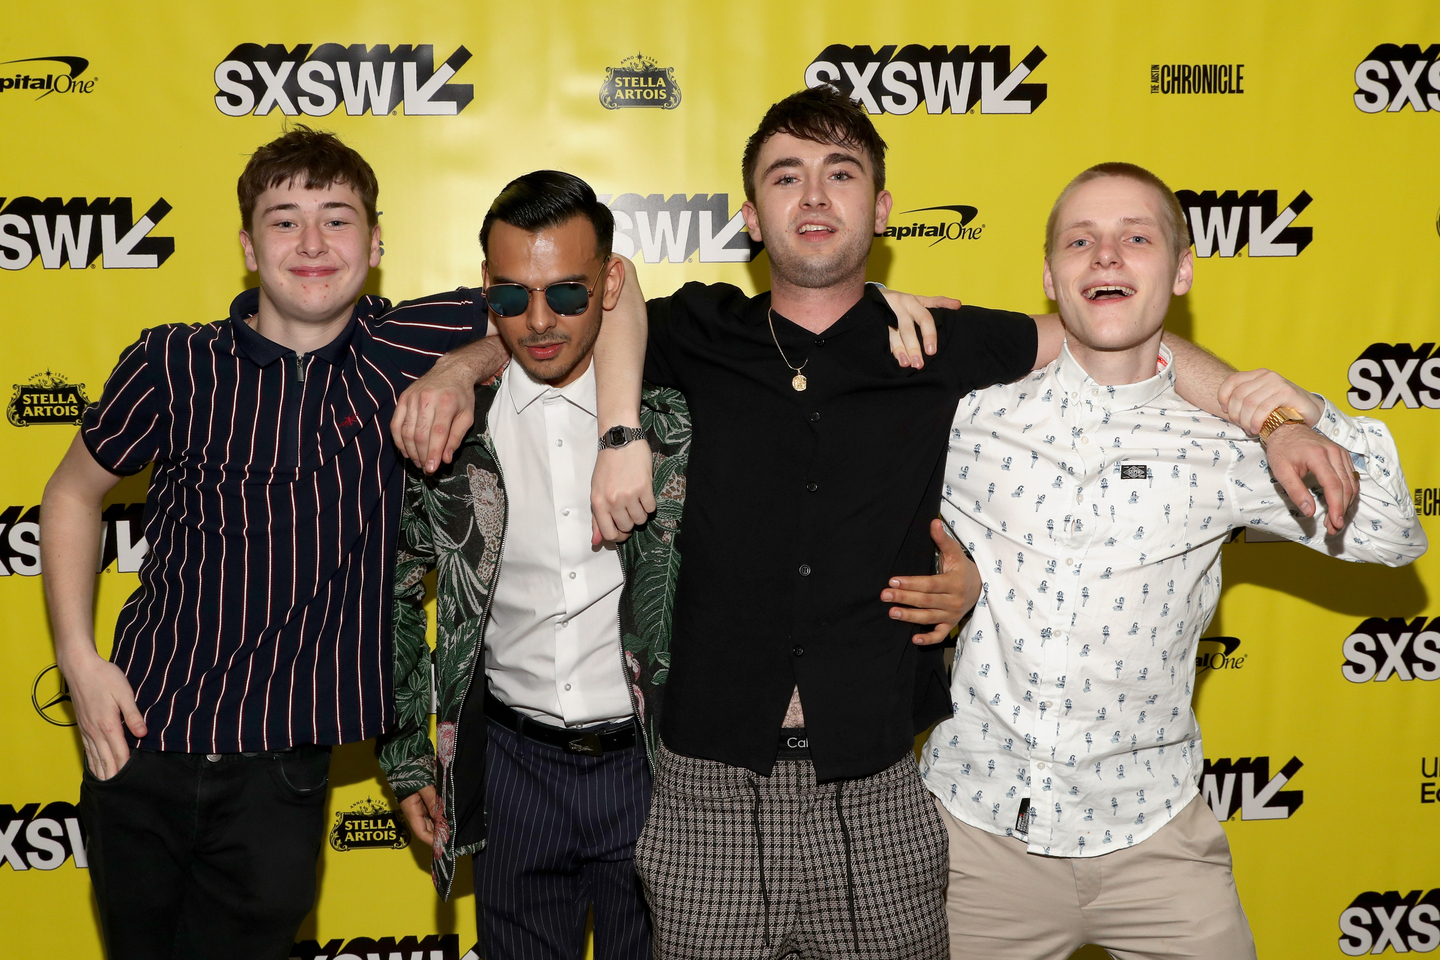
<point x="568" y="298"/>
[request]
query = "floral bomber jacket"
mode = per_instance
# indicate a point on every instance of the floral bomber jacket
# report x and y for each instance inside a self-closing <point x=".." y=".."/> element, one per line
<point x="455" y="523"/>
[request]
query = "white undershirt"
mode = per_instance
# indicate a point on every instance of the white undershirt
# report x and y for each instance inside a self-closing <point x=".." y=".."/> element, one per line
<point x="552" y="648"/>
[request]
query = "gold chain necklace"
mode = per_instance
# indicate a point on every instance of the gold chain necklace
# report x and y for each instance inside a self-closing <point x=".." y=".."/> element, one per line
<point x="798" y="381"/>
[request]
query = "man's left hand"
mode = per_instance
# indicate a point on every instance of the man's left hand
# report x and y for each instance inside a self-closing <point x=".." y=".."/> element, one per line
<point x="1249" y="396"/>
<point x="434" y="413"/>
<point x="622" y="494"/>
<point x="1295" y="450"/>
<point x="942" y="599"/>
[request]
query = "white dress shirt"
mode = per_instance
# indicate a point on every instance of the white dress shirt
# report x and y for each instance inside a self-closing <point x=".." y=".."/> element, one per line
<point x="552" y="647"/>
<point x="1096" y="516"/>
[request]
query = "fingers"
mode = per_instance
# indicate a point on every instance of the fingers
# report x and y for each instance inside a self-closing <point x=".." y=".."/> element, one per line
<point x="1292" y="481"/>
<point x="913" y="350"/>
<point x="942" y="303"/>
<point x="922" y="600"/>
<point x="898" y="350"/>
<point x="951" y="553"/>
<point x="419" y="812"/>
<point x="937" y="635"/>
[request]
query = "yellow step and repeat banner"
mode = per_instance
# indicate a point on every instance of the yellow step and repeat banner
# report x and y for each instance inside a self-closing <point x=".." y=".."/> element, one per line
<point x="1303" y="141"/>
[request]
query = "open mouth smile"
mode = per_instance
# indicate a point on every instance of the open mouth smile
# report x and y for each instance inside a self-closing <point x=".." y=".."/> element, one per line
<point x="1112" y="291"/>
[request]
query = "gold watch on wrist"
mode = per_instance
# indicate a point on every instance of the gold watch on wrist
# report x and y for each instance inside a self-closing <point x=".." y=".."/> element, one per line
<point x="1278" y="418"/>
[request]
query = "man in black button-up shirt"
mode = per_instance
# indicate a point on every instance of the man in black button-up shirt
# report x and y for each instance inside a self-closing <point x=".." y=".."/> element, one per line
<point x="815" y="471"/>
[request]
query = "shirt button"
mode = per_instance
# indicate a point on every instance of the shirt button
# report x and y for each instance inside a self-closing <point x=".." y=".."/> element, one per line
<point x="819" y="343"/>
<point x="572" y="574"/>
<point x="797" y="651"/>
<point x="1040" y="765"/>
<point x="564" y="623"/>
<point x="559" y="443"/>
<point x="565" y="512"/>
<point x="1046" y="704"/>
<point x="1080" y="497"/>
<point x="812" y="486"/>
<point x="815" y="416"/>
<point x="1069" y="562"/>
<point x="1084" y="439"/>
<point x="567" y="686"/>
<point x="804" y="569"/>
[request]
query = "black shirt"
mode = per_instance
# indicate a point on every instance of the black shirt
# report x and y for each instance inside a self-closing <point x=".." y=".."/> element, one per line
<point x="262" y="619"/>
<point x="799" y="507"/>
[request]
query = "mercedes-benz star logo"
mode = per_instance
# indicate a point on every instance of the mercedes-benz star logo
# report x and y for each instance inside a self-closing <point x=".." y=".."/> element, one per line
<point x="50" y="695"/>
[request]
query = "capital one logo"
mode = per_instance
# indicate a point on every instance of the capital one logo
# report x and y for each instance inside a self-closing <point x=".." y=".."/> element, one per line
<point x="1393" y="77"/>
<point x="315" y="81"/>
<point x="944" y="80"/>
<point x="77" y="232"/>
<point x="1387" y="374"/>
<point x="1380" y="649"/>
<point x="1247" y="786"/>
<point x="657" y="229"/>
<point x="1226" y="223"/>
<point x="36" y="839"/>
<point x="1377" y="922"/>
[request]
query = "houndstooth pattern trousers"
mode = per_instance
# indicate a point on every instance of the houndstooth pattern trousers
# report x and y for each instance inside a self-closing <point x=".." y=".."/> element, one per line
<point x="738" y="866"/>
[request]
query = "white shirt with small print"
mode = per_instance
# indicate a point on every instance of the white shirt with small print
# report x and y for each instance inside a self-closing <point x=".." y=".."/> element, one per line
<point x="1096" y="516"/>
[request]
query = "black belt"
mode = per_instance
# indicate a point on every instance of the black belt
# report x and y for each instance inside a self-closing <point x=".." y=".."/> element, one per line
<point x="794" y="744"/>
<point x="589" y="743"/>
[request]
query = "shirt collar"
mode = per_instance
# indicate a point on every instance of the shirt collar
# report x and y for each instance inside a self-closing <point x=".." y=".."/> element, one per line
<point x="525" y="391"/>
<point x="263" y="351"/>
<point x="1125" y="396"/>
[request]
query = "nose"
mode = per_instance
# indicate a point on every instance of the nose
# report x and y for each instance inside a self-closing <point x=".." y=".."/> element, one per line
<point x="815" y="195"/>
<point x="1106" y="251"/>
<point x="312" y="240"/>
<point x="538" y="315"/>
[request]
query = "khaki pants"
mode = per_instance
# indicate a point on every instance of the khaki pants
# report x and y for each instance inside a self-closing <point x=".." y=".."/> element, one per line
<point x="1170" y="896"/>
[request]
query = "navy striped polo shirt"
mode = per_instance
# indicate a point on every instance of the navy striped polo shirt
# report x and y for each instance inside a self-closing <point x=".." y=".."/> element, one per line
<point x="262" y="619"/>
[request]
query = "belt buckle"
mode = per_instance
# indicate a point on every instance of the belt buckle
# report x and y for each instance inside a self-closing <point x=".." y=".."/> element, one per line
<point x="587" y="745"/>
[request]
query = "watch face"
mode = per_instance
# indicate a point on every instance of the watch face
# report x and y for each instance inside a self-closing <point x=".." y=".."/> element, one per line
<point x="615" y="436"/>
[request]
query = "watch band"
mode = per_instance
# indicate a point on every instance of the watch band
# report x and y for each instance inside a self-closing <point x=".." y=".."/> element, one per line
<point x="617" y="437"/>
<point x="1278" y="418"/>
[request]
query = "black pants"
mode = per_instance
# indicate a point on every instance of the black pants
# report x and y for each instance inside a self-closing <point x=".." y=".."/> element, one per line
<point x="205" y="856"/>
<point x="561" y="837"/>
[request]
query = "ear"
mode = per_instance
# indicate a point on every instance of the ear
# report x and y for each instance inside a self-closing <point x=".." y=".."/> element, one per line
<point x="614" y="283"/>
<point x="883" y="203"/>
<point x="1048" y="281"/>
<point x="752" y="221"/>
<point x="1184" y="273"/>
<point x="248" y="246"/>
<point x="484" y="274"/>
<point x="375" y="250"/>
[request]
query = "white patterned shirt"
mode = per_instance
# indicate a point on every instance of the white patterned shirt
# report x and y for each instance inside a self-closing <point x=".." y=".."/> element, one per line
<point x="1096" y="516"/>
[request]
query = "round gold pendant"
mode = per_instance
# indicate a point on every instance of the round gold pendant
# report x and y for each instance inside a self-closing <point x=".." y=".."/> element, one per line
<point x="798" y="381"/>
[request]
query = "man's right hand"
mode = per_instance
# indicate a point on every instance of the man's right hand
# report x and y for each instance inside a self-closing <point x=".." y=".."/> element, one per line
<point x="104" y="707"/>
<point x="419" y="810"/>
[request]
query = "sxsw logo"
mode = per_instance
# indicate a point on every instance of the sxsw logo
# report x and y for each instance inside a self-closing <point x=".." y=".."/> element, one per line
<point x="1376" y="922"/>
<point x="77" y="232"/>
<point x="657" y="229"/>
<point x="1226" y="223"/>
<point x="1393" y="77"/>
<point x="432" y="946"/>
<point x="256" y="79"/>
<point x="122" y="539"/>
<point x="952" y="80"/>
<point x="36" y="839"/>
<point x="1259" y="796"/>
<point x="1380" y="649"/>
<point x="1390" y="373"/>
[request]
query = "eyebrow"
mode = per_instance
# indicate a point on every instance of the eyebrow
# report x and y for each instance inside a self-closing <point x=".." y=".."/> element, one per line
<point x="327" y="205"/>
<point x="1128" y="221"/>
<point x="830" y="161"/>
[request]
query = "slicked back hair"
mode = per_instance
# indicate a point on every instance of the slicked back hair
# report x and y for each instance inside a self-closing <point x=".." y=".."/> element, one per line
<point x="548" y="198"/>
<point x="1172" y="216"/>
<point x="822" y="115"/>
<point x="311" y="158"/>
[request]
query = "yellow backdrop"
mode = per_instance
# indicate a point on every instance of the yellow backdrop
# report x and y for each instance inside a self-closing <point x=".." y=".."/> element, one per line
<point x="1303" y="142"/>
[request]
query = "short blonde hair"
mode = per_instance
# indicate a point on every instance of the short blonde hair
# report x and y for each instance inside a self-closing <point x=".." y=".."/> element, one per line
<point x="1177" y="231"/>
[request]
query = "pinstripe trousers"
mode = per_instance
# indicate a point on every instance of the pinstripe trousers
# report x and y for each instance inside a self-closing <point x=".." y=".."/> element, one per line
<point x="561" y="837"/>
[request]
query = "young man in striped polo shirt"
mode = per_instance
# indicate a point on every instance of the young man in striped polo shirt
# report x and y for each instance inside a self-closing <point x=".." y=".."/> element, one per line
<point x="260" y="633"/>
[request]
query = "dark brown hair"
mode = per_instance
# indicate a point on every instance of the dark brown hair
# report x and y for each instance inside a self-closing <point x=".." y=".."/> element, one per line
<point x="313" y="159"/>
<point x="822" y="115"/>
